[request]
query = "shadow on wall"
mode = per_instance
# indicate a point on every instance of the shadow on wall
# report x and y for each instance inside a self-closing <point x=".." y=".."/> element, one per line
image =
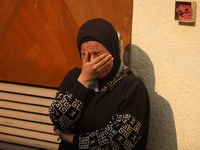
<point x="162" y="132"/>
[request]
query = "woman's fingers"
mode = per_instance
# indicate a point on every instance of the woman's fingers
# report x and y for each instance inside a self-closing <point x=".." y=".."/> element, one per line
<point x="91" y="69"/>
<point x="105" y="62"/>
<point x="54" y="128"/>
<point x="99" y="58"/>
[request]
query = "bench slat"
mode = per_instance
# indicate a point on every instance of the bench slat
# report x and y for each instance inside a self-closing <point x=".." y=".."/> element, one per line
<point x="28" y="134"/>
<point x="10" y="146"/>
<point x="24" y="107"/>
<point x="30" y="90"/>
<point x="26" y="125"/>
<point x="25" y="116"/>
<point x="26" y="99"/>
<point x="28" y="142"/>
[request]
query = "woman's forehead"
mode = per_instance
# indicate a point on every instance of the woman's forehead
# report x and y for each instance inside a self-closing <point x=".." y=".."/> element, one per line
<point x="92" y="45"/>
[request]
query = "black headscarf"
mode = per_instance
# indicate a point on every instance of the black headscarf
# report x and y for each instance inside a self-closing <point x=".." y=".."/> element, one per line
<point x="102" y="31"/>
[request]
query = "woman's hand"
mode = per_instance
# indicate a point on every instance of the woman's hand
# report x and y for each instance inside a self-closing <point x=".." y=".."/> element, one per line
<point x="92" y="69"/>
<point x="67" y="136"/>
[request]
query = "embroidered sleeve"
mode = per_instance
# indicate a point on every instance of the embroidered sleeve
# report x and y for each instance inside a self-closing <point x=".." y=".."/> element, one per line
<point x="65" y="111"/>
<point x="122" y="132"/>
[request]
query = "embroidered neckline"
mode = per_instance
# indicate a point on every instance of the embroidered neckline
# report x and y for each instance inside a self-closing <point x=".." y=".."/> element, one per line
<point x="112" y="84"/>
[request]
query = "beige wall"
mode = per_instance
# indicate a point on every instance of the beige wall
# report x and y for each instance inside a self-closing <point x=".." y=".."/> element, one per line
<point x="166" y="55"/>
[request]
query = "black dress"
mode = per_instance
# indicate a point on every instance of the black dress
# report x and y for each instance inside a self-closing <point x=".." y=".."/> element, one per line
<point x="117" y="117"/>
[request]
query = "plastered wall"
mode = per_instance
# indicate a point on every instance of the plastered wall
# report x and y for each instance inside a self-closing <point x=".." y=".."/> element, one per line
<point x="166" y="55"/>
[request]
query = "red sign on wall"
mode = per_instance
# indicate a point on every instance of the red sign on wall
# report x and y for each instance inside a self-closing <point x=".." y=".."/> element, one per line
<point x="185" y="11"/>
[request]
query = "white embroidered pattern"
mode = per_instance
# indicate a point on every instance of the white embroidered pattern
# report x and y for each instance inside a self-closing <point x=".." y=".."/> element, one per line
<point x="65" y="111"/>
<point x="122" y="132"/>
